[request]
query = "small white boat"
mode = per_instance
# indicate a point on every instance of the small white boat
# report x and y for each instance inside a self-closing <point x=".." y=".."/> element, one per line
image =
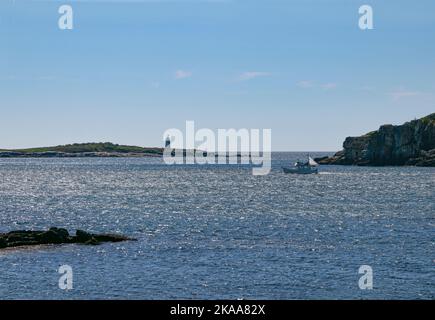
<point x="299" y="167"/>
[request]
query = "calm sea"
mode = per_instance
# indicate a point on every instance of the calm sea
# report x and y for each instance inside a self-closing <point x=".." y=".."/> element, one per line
<point x="218" y="232"/>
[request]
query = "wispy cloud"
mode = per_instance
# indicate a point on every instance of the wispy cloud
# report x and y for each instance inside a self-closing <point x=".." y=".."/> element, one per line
<point x="329" y="86"/>
<point x="306" y="84"/>
<point x="250" y="75"/>
<point x="399" y="94"/>
<point x="182" y="74"/>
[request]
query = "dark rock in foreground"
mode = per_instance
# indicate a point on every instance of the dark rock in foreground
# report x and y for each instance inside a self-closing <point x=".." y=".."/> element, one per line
<point x="55" y="236"/>
<point x="412" y="143"/>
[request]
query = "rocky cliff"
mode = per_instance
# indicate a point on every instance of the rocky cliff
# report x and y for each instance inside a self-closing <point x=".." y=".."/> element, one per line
<point x="412" y="143"/>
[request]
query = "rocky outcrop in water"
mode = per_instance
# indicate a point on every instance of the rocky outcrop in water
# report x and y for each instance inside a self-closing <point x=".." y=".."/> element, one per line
<point x="55" y="236"/>
<point x="412" y="143"/>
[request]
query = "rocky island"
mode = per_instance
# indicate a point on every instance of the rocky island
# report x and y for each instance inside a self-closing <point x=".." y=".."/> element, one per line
<point x="105" y="149"/>
<point x="55" y="236"/>
<point x="412" y="143"/>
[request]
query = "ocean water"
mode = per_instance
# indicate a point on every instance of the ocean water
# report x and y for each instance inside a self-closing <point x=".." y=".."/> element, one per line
<point x="218" y="232"/>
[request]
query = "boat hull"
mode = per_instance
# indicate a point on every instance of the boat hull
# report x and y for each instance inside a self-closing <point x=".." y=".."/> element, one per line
<point x="296" y="170"/>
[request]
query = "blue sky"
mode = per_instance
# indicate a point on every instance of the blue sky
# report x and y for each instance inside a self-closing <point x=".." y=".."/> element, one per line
<point x="129" y="70"/>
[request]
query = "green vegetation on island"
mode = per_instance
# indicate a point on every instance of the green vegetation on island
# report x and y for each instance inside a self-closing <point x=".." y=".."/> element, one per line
<point x="95" y="149"/>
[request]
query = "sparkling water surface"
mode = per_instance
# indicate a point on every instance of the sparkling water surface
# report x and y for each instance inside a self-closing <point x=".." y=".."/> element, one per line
<point x="218" y="232"/>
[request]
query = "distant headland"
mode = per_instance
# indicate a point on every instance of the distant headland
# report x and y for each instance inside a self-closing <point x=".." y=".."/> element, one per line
<point x="104" y="149"/>
<point x="412" y="144"/>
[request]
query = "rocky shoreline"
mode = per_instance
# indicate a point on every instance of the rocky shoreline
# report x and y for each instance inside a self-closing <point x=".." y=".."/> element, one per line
<point x="55" y="236"/>
<point x="410" y="144"/>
